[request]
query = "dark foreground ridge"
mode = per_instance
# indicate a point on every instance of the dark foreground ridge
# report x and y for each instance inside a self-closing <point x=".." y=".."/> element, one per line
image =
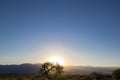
<point x="34" y="68"/>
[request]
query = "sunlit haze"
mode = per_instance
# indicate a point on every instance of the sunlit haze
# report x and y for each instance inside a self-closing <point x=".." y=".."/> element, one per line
<point x="56" y="60"/>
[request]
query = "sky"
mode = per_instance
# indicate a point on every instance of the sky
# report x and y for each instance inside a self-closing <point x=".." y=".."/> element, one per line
<point x="81" y="32"/>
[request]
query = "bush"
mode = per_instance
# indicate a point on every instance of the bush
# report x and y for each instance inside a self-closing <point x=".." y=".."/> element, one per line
<point x="116" y="74"/>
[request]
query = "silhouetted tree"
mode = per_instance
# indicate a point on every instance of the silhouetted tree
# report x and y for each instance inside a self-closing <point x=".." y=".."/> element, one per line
<point x="58" y="71"/>
<point x="116" y="74"/>
<point x="50" y="71"/>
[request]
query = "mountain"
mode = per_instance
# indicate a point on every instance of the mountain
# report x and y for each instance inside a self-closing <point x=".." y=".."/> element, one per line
<point x="20" y="69"/>
<point x="34" y="69"/>
<point x="88" y="69"/>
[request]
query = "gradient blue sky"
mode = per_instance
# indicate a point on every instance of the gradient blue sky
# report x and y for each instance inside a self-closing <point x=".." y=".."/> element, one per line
<point x="82" y="32"/>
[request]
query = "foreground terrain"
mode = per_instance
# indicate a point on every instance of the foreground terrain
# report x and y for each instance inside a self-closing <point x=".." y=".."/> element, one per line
<point x="92" y="76"/>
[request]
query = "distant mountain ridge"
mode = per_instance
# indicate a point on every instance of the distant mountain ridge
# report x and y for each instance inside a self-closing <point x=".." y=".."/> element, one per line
<point x="88" y="69"/>
<point x="20" y="69"/>
<point x="34" y="69"/>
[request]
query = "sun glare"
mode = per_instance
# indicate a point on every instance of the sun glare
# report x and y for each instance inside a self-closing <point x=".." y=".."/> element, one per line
<point x="56" y="60"/>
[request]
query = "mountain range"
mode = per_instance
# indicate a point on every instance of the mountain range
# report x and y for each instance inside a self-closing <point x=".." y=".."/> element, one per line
<point x="28" y="68"/>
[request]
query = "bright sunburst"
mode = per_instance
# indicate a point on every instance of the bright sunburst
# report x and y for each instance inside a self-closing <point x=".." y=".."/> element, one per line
<point x="55" y="60"/>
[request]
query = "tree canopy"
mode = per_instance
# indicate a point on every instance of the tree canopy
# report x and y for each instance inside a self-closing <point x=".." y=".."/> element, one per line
<point x="51" y="71"/>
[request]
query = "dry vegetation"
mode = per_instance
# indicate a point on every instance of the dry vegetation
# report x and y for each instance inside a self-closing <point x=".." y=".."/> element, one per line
<point x="92" y="76"/>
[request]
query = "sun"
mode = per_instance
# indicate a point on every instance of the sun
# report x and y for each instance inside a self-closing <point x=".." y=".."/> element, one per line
<point x="56" y="60"/>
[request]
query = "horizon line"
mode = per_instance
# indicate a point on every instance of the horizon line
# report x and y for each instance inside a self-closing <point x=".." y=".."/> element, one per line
<point x="65" y="65"/>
